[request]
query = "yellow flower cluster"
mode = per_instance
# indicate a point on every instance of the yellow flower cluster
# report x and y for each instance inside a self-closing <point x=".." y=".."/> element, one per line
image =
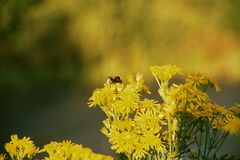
<point x="165" y="73"/>
<point x="140" y="128"/>
<point x="133" y="126"/>
<point x="192" y="97"/>
<point x="21" y="149"/>
<point x="67" y="150"/>
<point x="185" y="124"/>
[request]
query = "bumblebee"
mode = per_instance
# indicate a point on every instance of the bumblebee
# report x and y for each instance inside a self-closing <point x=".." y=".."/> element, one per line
<point x="112" y="80"/>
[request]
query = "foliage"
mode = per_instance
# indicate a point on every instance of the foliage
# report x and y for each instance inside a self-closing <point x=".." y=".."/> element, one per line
<point x="50" y="41"/>
<point x="23" y="149"/>
<point x="185" y="124"/>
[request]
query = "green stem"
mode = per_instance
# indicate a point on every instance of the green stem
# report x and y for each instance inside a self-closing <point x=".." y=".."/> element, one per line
<point x="206" y="141"/>
<point x="199" y="144"/>
<point x="158" y="82"/>
<point x="221" y="142"/>
<point x="212" y="141"/>
<point x="169" y="135"/>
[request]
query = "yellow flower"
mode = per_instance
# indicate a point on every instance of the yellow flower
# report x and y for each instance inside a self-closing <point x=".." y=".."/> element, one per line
<point x="102" y="96"/>
<point x="207" y="111"/>
<point x="215" y="85"/>
<point x="165" y="73"/>
<point x="148" y="120"/>
<point x="2" y="157"/>
<point x="129" y="143"/>
<point x="59" y="150"/>
<point x="218" y="123"/>
<point x="199" y="79"/>
<point x="194" y="110"/>
<point x="129" y="100"/>
<point x="21" y="148"/>
<point x="124" y="142"/>
<point x="149" y="104"/>
<point x="232" y="125"/>
<point x="196" y="79"/>
<point x="152" y="140"/>
<point x="235" y="109"/>
<point x="139" y="151"/>
<point x="221" y="110"/>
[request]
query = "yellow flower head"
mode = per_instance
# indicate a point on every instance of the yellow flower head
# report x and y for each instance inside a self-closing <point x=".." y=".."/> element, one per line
<point x="165" y="73"/>
<point x="221" y="110"/>
<point x="235" y="109"/>
<point x="232" y="125"/>
<point x="218" y="123"/>
<point x="102" y="96"/>
<point x="21" y="148"/>
<point x="199" y="79"/>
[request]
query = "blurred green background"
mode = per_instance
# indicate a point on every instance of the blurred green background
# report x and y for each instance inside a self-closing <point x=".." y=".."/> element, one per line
<point x="53" y="53"/>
